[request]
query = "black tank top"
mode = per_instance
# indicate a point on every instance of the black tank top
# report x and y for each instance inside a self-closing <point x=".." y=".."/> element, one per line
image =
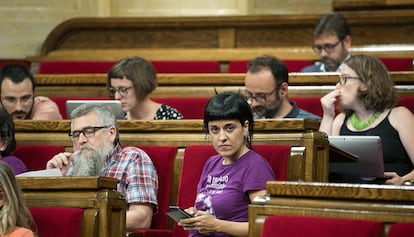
<point x="395" y="156"/>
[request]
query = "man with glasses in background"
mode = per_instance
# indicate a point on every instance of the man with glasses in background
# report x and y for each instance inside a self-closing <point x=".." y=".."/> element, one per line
<point x="266" y="90"/>
<point x="97" y="152"/>
<point x="17" y="86"/>
<point x="332" y="41"/>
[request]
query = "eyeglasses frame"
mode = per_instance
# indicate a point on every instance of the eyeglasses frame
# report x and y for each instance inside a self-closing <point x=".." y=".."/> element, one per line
<point x="95" y="129"/>
<point x="327" y="47"/>
<point x="123" y="91"/>
<point x="263" y="96"/>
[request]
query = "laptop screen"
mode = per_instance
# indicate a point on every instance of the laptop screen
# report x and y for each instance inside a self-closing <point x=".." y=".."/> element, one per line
<point x="369" y="166"/>
<point x="115" y="106"/>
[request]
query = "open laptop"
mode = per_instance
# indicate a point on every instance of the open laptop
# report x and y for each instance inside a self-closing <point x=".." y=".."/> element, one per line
<point x="369" y="168"/>
<point x="115" y="106"/>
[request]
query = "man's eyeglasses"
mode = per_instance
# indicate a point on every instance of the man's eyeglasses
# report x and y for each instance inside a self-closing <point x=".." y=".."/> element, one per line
<point x="87" y="132"/>
<point x="123" y="91"/>
<point x="260" y="97"/>
<point x="327" y="47"/>
<point x="344" y="78"/>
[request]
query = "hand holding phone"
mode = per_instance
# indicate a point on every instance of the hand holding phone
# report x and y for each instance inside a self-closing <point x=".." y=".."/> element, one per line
<point x="176" y="213"/>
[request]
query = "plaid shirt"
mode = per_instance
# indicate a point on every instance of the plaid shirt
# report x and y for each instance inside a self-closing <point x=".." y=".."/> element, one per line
<point x="137" y="176"/>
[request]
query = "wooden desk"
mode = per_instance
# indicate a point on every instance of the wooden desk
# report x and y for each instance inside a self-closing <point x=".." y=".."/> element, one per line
<point x="105" y="209"/>
<point x="388" y="204"/>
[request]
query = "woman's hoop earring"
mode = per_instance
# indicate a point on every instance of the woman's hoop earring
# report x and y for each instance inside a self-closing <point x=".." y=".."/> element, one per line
<point x="247" y="138"/>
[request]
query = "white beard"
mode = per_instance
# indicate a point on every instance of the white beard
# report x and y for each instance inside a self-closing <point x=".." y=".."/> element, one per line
<point x="89" y="161"/>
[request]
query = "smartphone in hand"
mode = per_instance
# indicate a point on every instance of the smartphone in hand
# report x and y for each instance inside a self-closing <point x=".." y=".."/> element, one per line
<point x="176" y="213"/>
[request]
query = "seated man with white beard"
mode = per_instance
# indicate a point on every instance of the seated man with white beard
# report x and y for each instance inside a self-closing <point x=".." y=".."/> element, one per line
<point x="97" y="152"/>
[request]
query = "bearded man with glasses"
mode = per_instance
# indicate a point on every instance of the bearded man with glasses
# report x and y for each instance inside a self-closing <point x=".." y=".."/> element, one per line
<point x="332" y="41"/>
<point x="266" y="90"/>
<point x="98" y="152"/>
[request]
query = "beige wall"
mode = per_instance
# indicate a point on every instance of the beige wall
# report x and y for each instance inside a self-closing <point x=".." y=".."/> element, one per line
<point x="26" y="23"/>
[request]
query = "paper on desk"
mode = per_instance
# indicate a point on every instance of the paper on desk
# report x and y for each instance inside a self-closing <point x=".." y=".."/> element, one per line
<point x="41" y="173"/>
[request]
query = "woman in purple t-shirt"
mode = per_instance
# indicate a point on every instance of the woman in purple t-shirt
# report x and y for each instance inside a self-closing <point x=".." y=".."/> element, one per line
<point x="234" y="177"/>
<point x="8" y="143"/>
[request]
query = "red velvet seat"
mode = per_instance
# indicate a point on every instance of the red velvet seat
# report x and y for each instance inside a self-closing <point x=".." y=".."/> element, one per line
<point x="35" y="157"/>
<point x="163" y="159"/>
<point x="407" y="101"/>
<point x="310" y="104"/>
<point x="78" y="67"/>
<point x="292" y="65"/>
<point x="190" y="108"/>
<point x="75" y="67"/>
<point x="195" y="157"/>
<point x="299" y="226"/>
<point x="57" y="221"/>
<point x="398" y="64"/>
<point x="401" y="229"/>
<point x="4" y="62"/>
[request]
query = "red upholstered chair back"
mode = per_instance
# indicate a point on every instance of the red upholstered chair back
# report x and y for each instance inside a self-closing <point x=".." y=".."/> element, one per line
<point x="61" y="102"/>
<point x="398" y="64"/>
<point x="163" y="159"/>
<point x="35" y="157"/>
<point x="407" y="101"/>
<point x="310" y="104"/>
<point x="4" y="62"/>
<point x="186" y="66"/>
<point x="402" y="229"/>
<point x="195" y="157"/>
<point x="190" y="108"/>
<point x="57" y="221"/>
<point x="292" y="65"/>
<point x="75" y="67"/>
<point x="299" y="226"/>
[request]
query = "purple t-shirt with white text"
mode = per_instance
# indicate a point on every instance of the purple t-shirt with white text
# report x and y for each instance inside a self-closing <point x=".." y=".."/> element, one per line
<point x="223" y="189"/>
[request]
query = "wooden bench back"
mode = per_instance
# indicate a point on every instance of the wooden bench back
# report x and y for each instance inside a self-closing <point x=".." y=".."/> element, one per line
<point x="309" y="153"/>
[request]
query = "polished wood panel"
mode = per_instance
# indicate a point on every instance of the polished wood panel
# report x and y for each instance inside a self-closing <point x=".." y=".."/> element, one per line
<point x="105" y="208"/>
<point x="222" y="31"/>
<point x="388" y="204"/>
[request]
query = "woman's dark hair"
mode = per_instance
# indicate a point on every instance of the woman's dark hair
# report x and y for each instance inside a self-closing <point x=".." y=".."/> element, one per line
<point x="229" y="106"/>
<point x="138" y="70"/>
<point x="7" y="132"/>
